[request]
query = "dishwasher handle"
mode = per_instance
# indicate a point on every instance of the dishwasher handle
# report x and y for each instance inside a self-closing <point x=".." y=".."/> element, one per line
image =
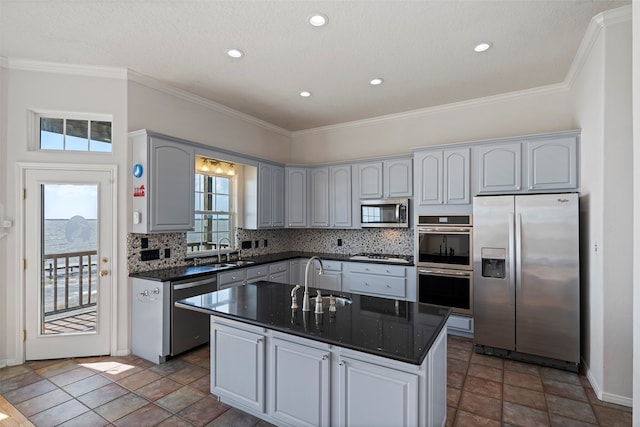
<point x="187" y="285"/>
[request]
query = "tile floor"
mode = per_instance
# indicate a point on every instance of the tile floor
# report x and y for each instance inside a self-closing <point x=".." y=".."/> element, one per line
<point x="129" y="391"/>
<point x="489" y="391"/>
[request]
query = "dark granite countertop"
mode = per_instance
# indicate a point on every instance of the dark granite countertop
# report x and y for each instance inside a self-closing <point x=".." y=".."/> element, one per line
<point x="394" y="329"/>
<point x="190" y="271"/>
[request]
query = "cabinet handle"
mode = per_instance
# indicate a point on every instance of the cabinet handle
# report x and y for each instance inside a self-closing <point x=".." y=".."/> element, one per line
<point x="259" y="340"/>
<point x="342" y="363"/>
<point x="325" y="357"/>
<point x="366" y="284"/>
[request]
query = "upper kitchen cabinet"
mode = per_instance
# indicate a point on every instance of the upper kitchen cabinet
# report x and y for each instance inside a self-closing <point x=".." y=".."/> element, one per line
<point x="384" y="179"/>
<point x="270" y="196"/>
<point x="263" y="196"/>
<point x="163" y="183"/>
<point x="296" y="196"/>
<point x="330" y="197"/>
<point x="536" y="163"/>
<point x="442" y="176"/>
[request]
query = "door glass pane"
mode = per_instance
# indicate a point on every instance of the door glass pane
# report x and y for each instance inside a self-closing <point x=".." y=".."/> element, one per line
<point x="69" y="259"/>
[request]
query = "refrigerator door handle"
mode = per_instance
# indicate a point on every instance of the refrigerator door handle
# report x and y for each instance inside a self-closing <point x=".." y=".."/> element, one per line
<point x="518" y="255"/>
<point x="512" y="255"/>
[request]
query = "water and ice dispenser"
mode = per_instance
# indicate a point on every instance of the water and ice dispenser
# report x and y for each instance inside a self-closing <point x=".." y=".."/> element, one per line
<point x="493" y="262"/>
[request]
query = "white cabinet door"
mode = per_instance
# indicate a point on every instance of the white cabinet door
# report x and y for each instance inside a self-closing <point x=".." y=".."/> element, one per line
<point x="296" y="197"/>
<point x="331" y="279"/>
<point x="499" y="167"/>
<point x="163" y="187"/>
<point x="437" y="384"/>
<point x="398" y="178"/>
<point x="299" y="384"/>
<point x="237" y="365"/>
<point x="319" y="207"/>
<point x="340" y="203"/>
<point x="551" y="164"/>
<point x="429" y="177"/>
<point x="456" y="176"/>
<point x="270" y="196"/>
<point x="372" y="395"/>
<point x="369" y="180"/>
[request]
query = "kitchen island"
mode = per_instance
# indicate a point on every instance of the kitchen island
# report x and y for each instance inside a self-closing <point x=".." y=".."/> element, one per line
<point x="374" y="361"/>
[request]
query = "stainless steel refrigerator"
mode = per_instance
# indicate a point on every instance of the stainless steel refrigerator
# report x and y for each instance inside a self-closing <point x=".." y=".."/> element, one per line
<point x="526" y="278"/>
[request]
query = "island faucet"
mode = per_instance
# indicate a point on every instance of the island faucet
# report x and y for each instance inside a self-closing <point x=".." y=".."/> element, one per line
<point x="305" y="297"/>
<point x="219" y="254"/>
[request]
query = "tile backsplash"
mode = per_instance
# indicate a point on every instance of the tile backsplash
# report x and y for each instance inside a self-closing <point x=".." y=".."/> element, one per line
<point x="379" y="240"/>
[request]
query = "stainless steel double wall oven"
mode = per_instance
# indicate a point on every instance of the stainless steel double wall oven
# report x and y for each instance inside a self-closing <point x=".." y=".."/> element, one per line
<point x="445" y="261"/>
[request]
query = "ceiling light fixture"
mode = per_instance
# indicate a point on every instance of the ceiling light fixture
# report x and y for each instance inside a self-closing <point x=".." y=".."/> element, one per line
<point x="305" y="94"/>
<point x="375" y="82"/>
<point x="235" y="53"/>
<point x="482" y="47"/>
<point x="318" y="20"/>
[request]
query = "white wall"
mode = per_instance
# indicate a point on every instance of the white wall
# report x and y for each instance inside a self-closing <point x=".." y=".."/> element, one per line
<point x="158" y="108"/>
<point x="528" y="112"/>
<point x="56" y="91"/>
<point x="636" y="213"/>
<point x="3" y="202"/>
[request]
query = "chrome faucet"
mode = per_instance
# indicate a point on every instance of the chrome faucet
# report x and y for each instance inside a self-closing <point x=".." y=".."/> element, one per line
<point x="219" y="246"/>
<point x="305" y="297"/>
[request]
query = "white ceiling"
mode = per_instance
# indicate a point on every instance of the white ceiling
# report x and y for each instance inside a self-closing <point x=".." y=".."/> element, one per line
<point x="422" y="49"/>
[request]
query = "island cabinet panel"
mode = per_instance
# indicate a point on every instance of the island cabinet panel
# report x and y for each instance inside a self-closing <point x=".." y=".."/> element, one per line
<point x="299" y="378"/>
<point x="238" y="365"/>
<point x="437" y="384"/>
<point x="374" y="395"/>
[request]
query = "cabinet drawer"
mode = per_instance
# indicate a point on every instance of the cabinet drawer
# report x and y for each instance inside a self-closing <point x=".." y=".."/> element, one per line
<point x="257" y="271"/>
<point x="370" y="284"/>
<point x="231" y="277"/>
<point x="383" y="270"/>
<point x="278" y="267"/>
<point x="329" y="265"/>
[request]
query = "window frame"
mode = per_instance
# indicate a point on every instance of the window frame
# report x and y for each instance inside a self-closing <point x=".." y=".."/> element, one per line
<point x="35" y="130"/>
<point x="233" y="215"/>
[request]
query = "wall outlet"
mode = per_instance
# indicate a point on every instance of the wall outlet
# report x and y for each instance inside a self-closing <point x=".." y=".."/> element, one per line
<point x="167" y="253"/>
<point x="265" y="243"/>
<point x="150" y="255"/>
<point x="144" y="243"/>
<point x="256" y="244"/>
<point x="246" y="244"/>
<point x="339" y="242"/>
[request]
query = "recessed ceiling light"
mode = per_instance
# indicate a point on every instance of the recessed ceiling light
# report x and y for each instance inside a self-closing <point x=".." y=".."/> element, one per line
<point x="318" y="20"/>
<point x="482" y="47"/>
<point x="375" y="82"/>
<point x="305" y="94"/>
<point x="235" y="53"/>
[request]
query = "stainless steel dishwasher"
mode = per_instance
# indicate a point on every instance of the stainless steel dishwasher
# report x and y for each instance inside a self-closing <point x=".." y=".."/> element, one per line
<point x="189" y="328"/>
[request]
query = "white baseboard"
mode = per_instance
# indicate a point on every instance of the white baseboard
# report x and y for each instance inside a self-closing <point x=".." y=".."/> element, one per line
<point x="605" y="397"/>
<point x="9" y="362"/>
<point x="124" y="352"/>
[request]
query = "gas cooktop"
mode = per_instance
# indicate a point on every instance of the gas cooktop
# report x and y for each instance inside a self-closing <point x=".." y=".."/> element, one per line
<point x="398" y="259"/>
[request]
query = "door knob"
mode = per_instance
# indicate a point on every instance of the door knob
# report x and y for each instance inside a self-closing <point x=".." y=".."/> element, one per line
<point x="104" y="273"/>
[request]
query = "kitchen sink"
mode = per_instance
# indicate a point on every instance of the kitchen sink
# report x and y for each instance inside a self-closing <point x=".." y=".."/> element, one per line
<point x="199" y="269"/>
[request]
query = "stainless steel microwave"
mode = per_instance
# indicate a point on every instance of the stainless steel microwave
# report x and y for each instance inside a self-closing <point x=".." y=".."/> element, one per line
<point x="384" y="213"/>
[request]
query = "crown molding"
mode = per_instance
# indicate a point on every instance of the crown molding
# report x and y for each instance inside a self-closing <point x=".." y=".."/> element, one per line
<point x="70" y="69"/>
<point x="196" y="99"/>
<point x="594" y="29"/>
<point x="487" y="100"/>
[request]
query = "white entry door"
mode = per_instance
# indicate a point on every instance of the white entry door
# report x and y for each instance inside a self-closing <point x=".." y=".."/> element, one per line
<point x="68" y="229"/>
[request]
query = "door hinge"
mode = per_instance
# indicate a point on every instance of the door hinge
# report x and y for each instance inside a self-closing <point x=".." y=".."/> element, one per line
<point x="24" y="194"/>
<point x="24" y="335"/>
<point x="24" y="264"/>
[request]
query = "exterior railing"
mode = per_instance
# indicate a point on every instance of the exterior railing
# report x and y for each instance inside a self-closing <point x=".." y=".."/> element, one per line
<point x="69" y="281"/>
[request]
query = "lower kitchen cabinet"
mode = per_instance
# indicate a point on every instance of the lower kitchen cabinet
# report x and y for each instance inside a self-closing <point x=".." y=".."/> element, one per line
<point x="309" y="383"/>
<point x="294" y="368"/>
<point x="376" y="395"/>
<point x="238" y="365"/>
<point x="331" y="279"/>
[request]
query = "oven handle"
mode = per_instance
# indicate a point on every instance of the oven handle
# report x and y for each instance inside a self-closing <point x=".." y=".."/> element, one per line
<point x="444" y="230"/>
<point x="446" y="273"/>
